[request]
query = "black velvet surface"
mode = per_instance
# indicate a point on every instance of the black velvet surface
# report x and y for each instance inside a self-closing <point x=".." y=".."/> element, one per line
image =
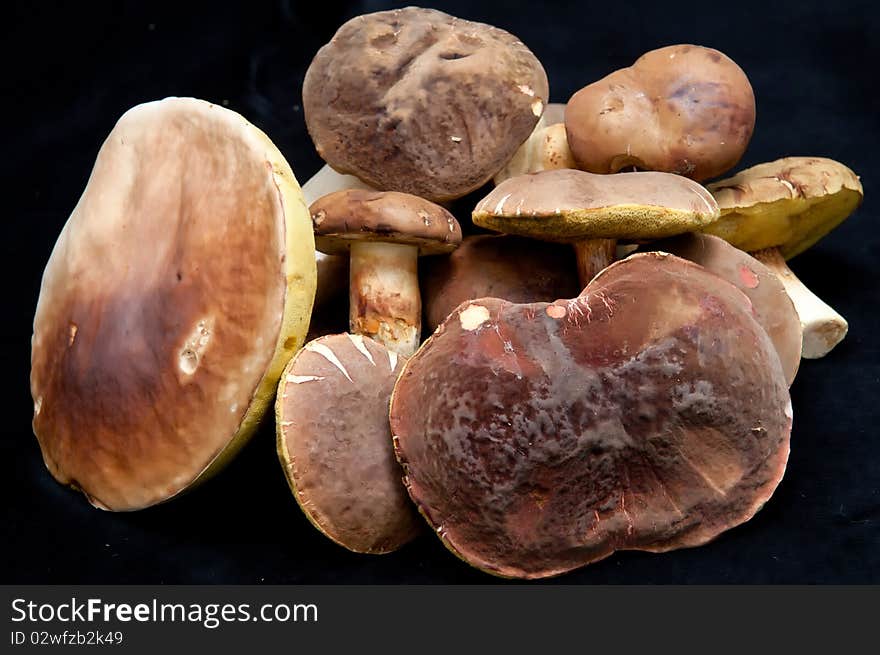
<point x="72" y="68"/>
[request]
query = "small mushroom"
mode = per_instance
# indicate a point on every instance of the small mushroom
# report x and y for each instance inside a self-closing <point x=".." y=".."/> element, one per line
<point x="500" y="266"/>
<point x="773" y="307"/>
<point x="682" y="109"/>
<point x="593" y="211"/>
<point x="779" y="209"/>
<point x="650" y="413"/>
<point x="418" y="101"/>
<point x="546" y="149"/>
<point x="177" y="291"/>
<point x="385" y="233"/>
<point x="334" y="443"/>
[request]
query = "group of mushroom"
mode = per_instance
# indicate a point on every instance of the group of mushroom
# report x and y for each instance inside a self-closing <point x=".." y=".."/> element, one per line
<point x="610" y="373"/>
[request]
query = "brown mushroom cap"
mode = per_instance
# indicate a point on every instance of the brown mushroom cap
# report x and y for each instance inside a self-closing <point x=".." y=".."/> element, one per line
<point x="335" y="443"/>
<point x="651" y="413"/>
<point x="773" y="308"/>
<point x="682" y="109"/>
<point x="569" y="205"/>
<point x="351" y="215"/>
<point x="176" y="292"/>
<point x="789" y="203"/>
<point x="418" y="101"/>
<point x="499" y="266"/>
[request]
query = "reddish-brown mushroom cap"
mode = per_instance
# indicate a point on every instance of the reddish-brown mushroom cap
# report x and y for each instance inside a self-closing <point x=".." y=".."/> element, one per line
<point x="650" y="413"/>
<point x="418" y="101"/>
<point x="335" y="443"/>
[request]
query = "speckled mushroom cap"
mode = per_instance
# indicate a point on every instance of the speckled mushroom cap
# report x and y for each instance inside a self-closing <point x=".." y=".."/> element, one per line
<point x="651" y="413"/>
<point x="353" y="215"/>
<point x="569" y="205"/>
<point x="789" y="203"/>
<point x="772" y="306"/>
<point x="176" y="292"/>
<point x="683" y="109"/>
<point x="418" y="101"/>
<point x="334" y="443"/>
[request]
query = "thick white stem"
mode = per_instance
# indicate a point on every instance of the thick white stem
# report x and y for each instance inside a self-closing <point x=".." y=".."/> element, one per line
<point x="384" y="300"/>
<point x="823" y="327"/>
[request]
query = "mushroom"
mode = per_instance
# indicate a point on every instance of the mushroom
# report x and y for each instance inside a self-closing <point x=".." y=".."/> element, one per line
<point x="651" y="413"/>
<point x="334" y="443"/>
<point x="175" y="294"/>
<point x="546" y="148"/>
<point x="779" y="209"/>
<point x="682" y="109"/>
<point x="385" y="233"/>
<point x="500" y="266"/>
<point x="772" y="305"/>
<point x="592" y="211"/>
<point x="415" y="100"/>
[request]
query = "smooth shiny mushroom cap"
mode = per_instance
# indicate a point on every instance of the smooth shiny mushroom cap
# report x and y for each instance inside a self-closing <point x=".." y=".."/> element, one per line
<point x="335" y="445"/>
<point x="416" y="100"/>
<point x="789" y="203"/>
<point x="570" y="205"/>
<point x="650" y="413"/>
<point x="176" y="292"/>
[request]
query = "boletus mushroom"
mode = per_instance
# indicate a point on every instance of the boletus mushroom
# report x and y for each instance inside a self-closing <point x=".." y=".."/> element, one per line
<point x="418" y="101"/>
<point x="779" y="209"/>
<point x="546" y="149"/>
<point x="385" y="232"/>
<point x="175" y="294"/>
<point x="593" y="211"/>
<point x="682" y="109"/>
<point x="650" y="413"/>
<point x="335" y="445"/>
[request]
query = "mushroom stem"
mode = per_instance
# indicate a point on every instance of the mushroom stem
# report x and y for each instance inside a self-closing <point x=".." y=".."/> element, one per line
<point x="384" y="300"/>
<point x="823" y="327"/>
<point x="593" y="255"/>
<point x="327" y="180"/>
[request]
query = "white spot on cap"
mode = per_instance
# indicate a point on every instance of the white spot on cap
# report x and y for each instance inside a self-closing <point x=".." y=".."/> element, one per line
<point x="525" y="88"/>
<point x="38" y="404"/>
<point x="392" y="360"/>
<point x="299" y="379"/>
<point x="500" y="206"/>
<point x="473" y="317"/>
<point x="456" y="139"/>
<point x="358" y="342"/>
<point x="72" y="337"/>
<point x="537" y="108"/>
<point x="329" y="355"/>
<point x="789" y="413"/>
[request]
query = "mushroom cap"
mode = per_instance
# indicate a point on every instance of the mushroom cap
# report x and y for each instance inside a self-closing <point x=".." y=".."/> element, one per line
<point x="570" y="205"/>
<point x="353" y="215"/>
<point x="789" y="203"/>
<point x="650" y="413"/>
<point x="335" y="445"/>
<point x="418" y="101"/>
<point x="176" y="292"/>
<point x="500" y="266"/>
<point x="774" y="309"/>
<point x="682" y="109"/>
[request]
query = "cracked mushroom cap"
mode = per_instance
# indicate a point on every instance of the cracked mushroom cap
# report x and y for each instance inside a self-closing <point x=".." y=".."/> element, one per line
<point x="176" y="292"/>
<point x="353" y="215"/>
<point x="682" y="109"/>
<point x="650" y="413"/>
<point x="335" y="445"/>
<point x="569" y="205"/>
<point x="789" y="203"/>
<point x="418" y="101"/>
<point x="774" y="309"/>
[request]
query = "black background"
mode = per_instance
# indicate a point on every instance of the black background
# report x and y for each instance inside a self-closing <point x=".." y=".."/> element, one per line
<point x="72" y="68"/>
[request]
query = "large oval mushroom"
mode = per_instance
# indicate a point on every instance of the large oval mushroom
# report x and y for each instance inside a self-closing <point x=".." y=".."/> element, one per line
<point x="650" y="413"/>
<point x="178" y="289"/>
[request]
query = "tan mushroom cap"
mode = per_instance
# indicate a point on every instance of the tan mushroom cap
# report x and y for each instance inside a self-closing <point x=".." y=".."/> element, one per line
<point x="419" y="101"/>
<point x="789" y="203"/>
<point x="334" y="442"/>
<point x="569" y="205"/>
<point x="176" y="292"/>
<point x="356" y="215"/>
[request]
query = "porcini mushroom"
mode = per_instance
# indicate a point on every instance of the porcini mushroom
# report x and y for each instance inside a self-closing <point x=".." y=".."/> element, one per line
<point x="651" y="413"/>
<point x="499" y="266"/>
<point x="385" y="233"/>
<point x="682" y="109"/>
<point x="415" y="100"/>
<point x="175" y="294"/>
<point x="546" y="149"/>
<point x="779" y="209"/>
<point x="335" y="446"/>
<point x="593" y="211"/>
